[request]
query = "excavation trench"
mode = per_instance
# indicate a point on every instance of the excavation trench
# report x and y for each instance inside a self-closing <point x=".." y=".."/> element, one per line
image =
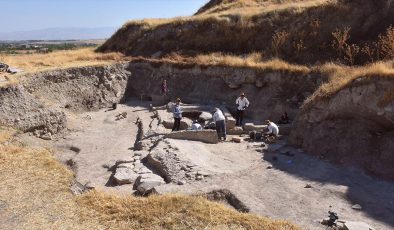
<point x="71" y="110"/>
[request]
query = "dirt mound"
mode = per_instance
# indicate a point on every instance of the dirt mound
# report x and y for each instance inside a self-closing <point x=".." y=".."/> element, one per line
<point x="21" y="110"/>
<point x="354" y="126"/>
<point x="302" y="32"/>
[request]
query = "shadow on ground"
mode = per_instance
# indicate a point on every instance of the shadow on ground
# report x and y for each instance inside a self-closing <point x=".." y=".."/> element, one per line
<point x="374" y="195"/>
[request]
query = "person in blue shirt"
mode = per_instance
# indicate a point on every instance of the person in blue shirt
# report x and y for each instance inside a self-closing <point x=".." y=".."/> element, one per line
<point x="177" y="113"/>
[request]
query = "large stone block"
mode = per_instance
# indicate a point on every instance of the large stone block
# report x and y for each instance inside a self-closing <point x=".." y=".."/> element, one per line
<point x="125" y="175"/>
<point x="248" y="127"/>
<point x="235" y="131"/>
<point x="185" y="123"/>
<point x="206" y="136"/>
<point x="230" y="122"/>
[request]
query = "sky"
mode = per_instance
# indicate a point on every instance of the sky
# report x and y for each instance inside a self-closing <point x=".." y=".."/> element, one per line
<point x="25" y="15"/>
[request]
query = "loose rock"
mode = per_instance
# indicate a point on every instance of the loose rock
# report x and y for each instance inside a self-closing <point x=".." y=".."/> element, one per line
<point x="357" y="207"/>
<point x="125" y="176"/>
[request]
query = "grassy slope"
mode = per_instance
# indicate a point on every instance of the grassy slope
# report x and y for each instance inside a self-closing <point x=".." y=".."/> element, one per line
<point x="35" y="194"/>
<point x="296" y="31"/>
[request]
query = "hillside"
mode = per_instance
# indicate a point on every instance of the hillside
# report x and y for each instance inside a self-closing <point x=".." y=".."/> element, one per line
<point x="306" y="32"/>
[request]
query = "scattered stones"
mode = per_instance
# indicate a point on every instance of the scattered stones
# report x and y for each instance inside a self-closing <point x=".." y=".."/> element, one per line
<point x="46" y="136"/>
<point x="357" y="207"/>
<point x="235" y="131"/>
<point x="308" y="186"/>
<point x="121" y="116"/>
<point x="203" y="173"/>
<point x="199" y="177"/>
<point x="206" y="136"/>
<point x="125" y="176"/>
<point x="236" y="139"/>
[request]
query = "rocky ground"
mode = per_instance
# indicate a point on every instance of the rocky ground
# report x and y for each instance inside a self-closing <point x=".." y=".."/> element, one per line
<point x="125" y="150"/>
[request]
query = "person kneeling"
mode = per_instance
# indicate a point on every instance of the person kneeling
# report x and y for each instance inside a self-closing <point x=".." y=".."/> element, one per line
<point x="196" y="126"/>
<point x="273" y="131"/>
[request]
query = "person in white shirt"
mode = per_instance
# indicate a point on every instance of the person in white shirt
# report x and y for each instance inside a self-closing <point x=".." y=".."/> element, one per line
<point x="196" y="126"/>
<point x="220" y="122"/>
<point x="273" y="129"/>
<point x="242" y="103"/>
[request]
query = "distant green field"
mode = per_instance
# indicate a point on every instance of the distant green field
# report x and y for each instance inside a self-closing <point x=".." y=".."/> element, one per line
<point x="31" y="47"/>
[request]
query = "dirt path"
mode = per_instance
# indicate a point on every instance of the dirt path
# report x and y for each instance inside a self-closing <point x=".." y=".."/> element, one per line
<point x="97" y="140"/>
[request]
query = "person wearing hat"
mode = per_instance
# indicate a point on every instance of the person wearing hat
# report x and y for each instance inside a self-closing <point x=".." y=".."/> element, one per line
<point x="177" y="113"/>
<point x="242" y="103"/>
<point x="220" y="122"/>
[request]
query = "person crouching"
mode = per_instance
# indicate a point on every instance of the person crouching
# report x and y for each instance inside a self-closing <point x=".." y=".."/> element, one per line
<point x="273" y="131"/>
<point x="220" y="122"/>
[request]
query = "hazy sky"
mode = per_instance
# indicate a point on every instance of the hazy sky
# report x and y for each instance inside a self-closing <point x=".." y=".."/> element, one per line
<point x="20" y="15"/>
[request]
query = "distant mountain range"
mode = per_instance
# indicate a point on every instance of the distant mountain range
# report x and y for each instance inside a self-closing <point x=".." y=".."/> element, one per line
<point x="60" y="34"/>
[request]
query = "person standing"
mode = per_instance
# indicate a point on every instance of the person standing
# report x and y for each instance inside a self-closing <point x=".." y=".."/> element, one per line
<point x="164" y="88"/>
<point x="177" y="113"/>
<point x="220" y="122"/>
<point x="242" y="103"/>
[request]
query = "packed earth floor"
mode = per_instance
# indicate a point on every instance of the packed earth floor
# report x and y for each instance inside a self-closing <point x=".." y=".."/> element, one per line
<point x="100" y="147"/>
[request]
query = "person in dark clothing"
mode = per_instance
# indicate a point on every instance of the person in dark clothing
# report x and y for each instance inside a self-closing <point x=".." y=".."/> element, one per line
<point x="164" y="88"/>
<point x="242" y="103"/>
<point x="177" y="113"/>
<point x="284" y="119"/>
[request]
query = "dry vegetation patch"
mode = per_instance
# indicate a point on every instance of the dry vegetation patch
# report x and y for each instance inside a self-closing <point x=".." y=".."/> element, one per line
<point x="35" y="194"/>
<point x="60" y="59"/>
<point x="341" y="77"/>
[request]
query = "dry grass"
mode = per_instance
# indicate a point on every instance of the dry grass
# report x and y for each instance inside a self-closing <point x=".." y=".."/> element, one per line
<point x="254" y="60"/>
<point x="60" y="59"/>
<point x="34" y="191"/>
<point x="31" y="63"/>
<point x="250" y="8"/>
<point x="172" y="212"/>
<point x="35" y="194"/>
<point x="341" y="77"/>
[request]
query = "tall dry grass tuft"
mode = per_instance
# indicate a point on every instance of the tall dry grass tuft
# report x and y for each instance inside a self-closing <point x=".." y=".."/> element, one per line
<point x="279" y="39"/>
<point x="387" y="43"/>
